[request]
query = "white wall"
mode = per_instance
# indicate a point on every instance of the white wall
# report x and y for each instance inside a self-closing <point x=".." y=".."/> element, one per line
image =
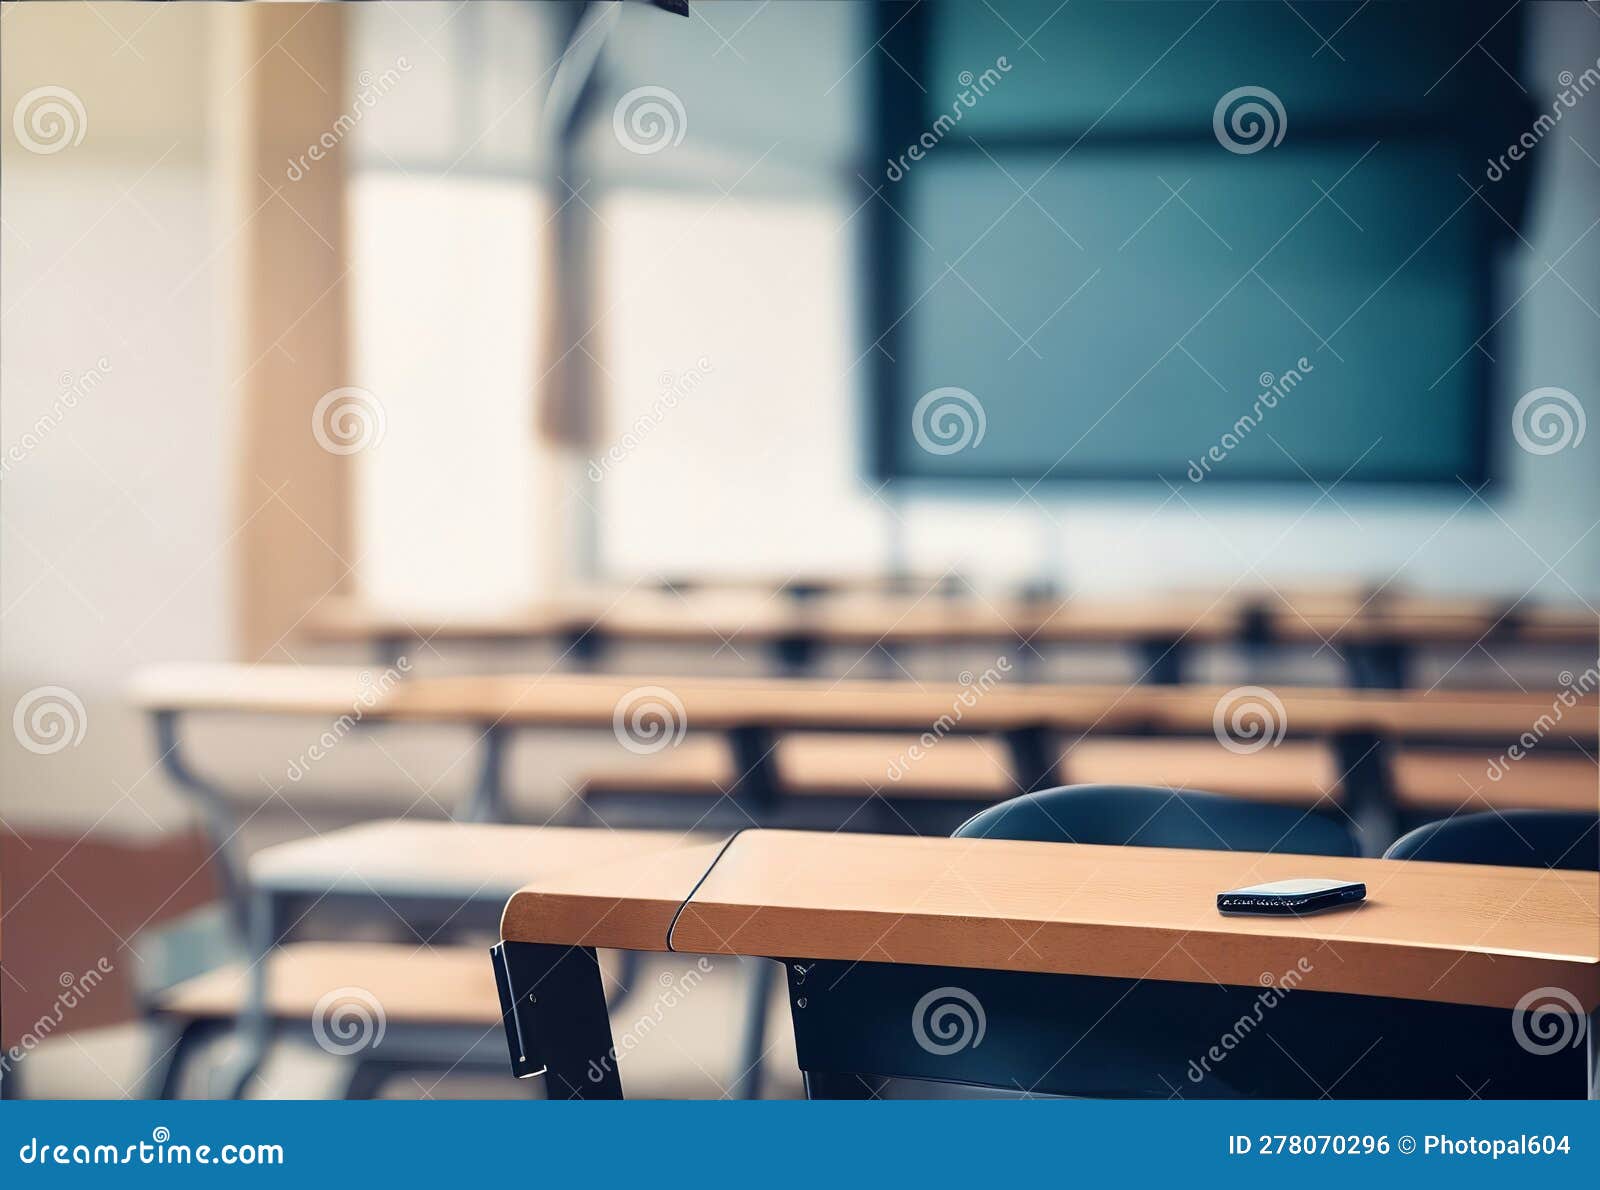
<point x="116" y="507"/>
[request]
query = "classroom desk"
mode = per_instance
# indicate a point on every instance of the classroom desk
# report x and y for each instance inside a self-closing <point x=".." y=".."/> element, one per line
<point x="1362" y="725"/>
<point x="1060" y="968"/>
<point x="1373" y="634"/>
<point x="441" y="879"/>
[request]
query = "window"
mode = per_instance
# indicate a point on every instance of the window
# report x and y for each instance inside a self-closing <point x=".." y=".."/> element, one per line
<point x="447" y="197"/>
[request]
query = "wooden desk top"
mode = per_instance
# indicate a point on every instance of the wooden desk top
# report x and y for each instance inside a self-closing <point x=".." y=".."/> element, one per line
<point x="865" y="617"/>
<point x="591" y="700"/>
<point x="1440" y="932"/>
<point x="261" y="689"/>
<point x="452" y="860"/>
<point x="629" y="904"/>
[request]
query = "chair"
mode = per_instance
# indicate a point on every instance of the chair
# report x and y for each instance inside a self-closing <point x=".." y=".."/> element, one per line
<point x="1513" y="838"/>
<point x="1140" y="816"/>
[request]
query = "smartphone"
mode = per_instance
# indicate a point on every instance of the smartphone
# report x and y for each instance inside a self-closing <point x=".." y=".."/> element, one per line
<point x="1291" y="896"/>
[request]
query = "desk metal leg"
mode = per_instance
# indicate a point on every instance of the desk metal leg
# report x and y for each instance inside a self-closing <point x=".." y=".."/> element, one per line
<point x="487" y="803"/>
<point x="220" y="821"/>
<point x="1161" y="660"/>
<point x="388" y="650"/>
<point x="1033" y="758"/>
<point x="755" y="768"/>
<point x="794" y="655"/>
<point x="255" y="1017"/>
<point x="1378" y="665"/>
<point x="553" y="1007"/>
<point x="1368" y="788"/>
<point x="174" y="1046"/>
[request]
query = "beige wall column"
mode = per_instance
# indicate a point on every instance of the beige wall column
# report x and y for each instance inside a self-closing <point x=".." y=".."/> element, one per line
<point x="284" y="96"/>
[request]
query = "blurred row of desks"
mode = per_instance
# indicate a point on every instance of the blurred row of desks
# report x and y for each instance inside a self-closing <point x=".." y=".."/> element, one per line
<point x="592" y="700"/>
<point x="1371" y="633"/>
<point x="1372" y="741"/>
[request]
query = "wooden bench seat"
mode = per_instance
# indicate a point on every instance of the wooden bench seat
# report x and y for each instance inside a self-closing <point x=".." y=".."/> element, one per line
<point x="411" y="984"/>
<point x="1294" y="771"/>
<point x="977" y="768"/>
<point x="821" y="764"/>
<point x="1448" y="781"/>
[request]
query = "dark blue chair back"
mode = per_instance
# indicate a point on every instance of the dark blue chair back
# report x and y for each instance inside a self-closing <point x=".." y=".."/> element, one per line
<point x="1512" y="838"/>
<point x="1139" y="816"/>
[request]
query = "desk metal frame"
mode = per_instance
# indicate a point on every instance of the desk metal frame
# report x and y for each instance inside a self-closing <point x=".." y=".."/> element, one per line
<point x="857" y="1025"/>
